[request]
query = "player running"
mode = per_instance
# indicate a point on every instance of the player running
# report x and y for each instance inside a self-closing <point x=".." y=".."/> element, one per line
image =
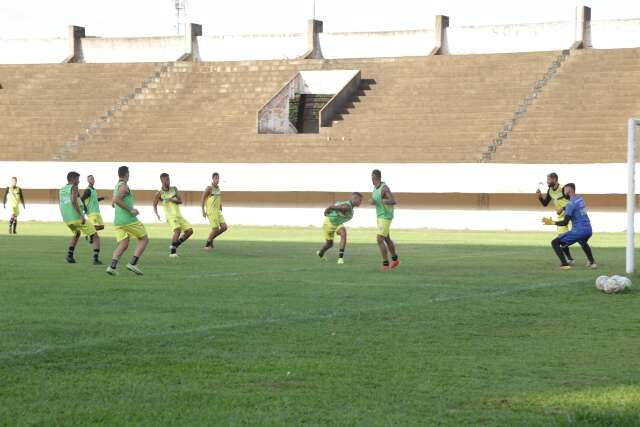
<point x="127" y="225"/>
<point x="576" y="212"/>
<point x="73" y="216"/>
<point x="211" y="205"/>
<point x="383" y="200"/>
<point x="91" y="203"/>
<point x="171" y="201"/>
<point x="555" y="194"/>
<point x="14" y="195"/>
<point x="335" y="216"/>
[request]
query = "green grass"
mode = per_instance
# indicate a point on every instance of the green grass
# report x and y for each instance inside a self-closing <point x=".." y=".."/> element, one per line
<point x="474" y="328"/>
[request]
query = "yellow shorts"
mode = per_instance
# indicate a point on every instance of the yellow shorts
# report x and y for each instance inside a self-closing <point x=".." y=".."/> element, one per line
<point x="329" y="229"/>
<point x="215" y="219"/>
<point x="135" y="229"/>
<point x="95" y="218"/>
<point x="178" y="223"/>
<point x="76" y="226"/>
<point x="383" y="227"/>
<point x="15" y="211"/>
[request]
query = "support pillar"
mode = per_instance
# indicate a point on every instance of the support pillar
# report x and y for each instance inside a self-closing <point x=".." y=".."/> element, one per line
<point x="442" y="23"/>
<point x="583" y="28"/>
<point x="74" y="38"/>
<point x="314" y="28"/>
<point x="192" y="51"/>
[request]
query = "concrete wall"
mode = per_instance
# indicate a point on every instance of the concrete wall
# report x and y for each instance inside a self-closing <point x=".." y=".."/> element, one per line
<point x="376" y="44"/>
<point x="273" y="117"/>
<point x="327" y="82"/>
<point x="615" y="34"/>
<point x="509" y="38"/>
<point x="256" y="47"/>
<point x="33" y="51"/>
<point x="140" y="49"/>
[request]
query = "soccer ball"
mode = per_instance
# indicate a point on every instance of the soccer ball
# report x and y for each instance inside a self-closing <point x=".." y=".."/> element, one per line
<point x="613" y="284"/>
<point x="601" y="282"/>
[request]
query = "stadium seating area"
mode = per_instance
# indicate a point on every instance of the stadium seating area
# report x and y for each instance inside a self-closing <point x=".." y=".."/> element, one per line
<point x="421" y="109"/>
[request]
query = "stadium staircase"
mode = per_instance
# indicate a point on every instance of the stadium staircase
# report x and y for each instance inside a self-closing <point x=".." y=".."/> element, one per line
<point x="581" y="116"/>
<point x="304" y="111"/>
<point x="414" y="109"/>
<point x="42" y="107"/>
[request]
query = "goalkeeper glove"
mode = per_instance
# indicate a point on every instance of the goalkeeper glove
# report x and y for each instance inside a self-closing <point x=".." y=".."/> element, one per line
<point x="547" y="221"/>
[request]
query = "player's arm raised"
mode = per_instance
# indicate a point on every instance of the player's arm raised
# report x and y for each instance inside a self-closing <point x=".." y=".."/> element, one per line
<point x="544" y="201"/>
<point x="387" y="196"/>
<point x="156" y="199"/>
<point x="203" y="199"/>
<point x="75" y="194"/>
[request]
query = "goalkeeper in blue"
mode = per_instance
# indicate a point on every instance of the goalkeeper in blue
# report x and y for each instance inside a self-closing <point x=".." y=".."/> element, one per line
<point x="575" y="212"/>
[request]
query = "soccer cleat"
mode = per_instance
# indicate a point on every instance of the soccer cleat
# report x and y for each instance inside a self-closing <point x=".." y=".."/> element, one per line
<point x="70" y="259"/>
<point x="208" y="248"/>
<point x="112" y="271"/>
<point x="592" y="266"/>
<point x="384" y="268"/>
<point x="173" y="255"/>
<point x="565" y="267"/>
<point x="394" y="264"/>
<point x="135" y="269"/>
<point x="97" y="262"/>
<point x="340" y="261"/>
<point x="322" y="257"/>
<point x="571" y="261"/>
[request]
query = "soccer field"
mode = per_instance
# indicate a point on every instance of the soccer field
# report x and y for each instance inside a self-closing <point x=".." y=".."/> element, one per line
<point x="472" y="328"/>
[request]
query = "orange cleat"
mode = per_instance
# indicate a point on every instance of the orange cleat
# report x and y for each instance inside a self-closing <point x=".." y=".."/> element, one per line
<point x="394" y="264"/>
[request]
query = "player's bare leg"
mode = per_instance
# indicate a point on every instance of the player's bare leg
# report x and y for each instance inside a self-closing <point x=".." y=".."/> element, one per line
<point x="72" y="247"/>
<point x="123" y="245"/>
<point x="215" y="233"/>
<point x="342" y="232"/>
<point x="382" y="245"/>
<point x="95" y="241"/>
<point x="392" y="249"/>
<point x="137" y="253"/>
<point x="328" y="244"/>
<point x="177" y="240"/>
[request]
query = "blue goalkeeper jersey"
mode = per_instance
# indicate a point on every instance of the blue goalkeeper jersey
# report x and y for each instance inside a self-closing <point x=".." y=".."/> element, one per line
<point x="576" y="209"/>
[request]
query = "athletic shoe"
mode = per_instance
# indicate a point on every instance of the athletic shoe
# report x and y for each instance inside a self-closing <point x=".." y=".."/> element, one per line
<point x="173" y="255"/>
<point x="322" y="257"/>
<point x="565" y="267"/>
<point x="208" y="248"/>
<point x="340" y="261"/>
<point x="135" y="269"/>
<point x="70" y="259"/>
<point x="394" y="264"/>
<point x="97" y="262"/>
<point x="592" y="266"/>
<point x="112" y="271"/>
<point x="571" y="261"/>
<point x="384" y="269"/>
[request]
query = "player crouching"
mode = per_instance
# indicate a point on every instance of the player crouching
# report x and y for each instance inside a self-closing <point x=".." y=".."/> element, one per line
<point x="576" y="212"/>
<point x="336" y="216"/>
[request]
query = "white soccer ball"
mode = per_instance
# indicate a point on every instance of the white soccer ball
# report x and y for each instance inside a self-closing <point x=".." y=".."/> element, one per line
<point x="616" y="284"/>
<point x="601" y="282"/>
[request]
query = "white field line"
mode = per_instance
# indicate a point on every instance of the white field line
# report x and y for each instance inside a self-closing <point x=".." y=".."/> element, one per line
<point x="300" y="318"/>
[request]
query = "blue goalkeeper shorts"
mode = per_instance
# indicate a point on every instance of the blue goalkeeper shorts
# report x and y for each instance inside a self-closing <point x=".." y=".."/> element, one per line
<point x="575" y="235"/>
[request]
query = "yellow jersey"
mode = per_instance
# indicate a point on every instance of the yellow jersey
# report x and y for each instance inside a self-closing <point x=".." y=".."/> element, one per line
<point x="214" y="201"/>
<point x="14" y="196"/>
<point x="171" y="208"/>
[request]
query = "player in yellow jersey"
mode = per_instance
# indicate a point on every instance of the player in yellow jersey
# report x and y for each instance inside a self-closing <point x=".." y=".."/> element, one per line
<point x="335" y="218"/>
<point x="211" y="204"/>
<point x="171" y="201"/>
<point x="555" y="195"/>
<point x="14" y="195"/>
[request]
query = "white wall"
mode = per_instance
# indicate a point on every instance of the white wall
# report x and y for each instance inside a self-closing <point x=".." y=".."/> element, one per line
<point x="478" y="178"/>
<point x="509" y="38"/>
<point x="256" y="47"/>
<point x="615" y="34"/>
<point x="376" y="44"/>
<point x="139" y="49"/>
<point x="327" y="82"/>
<point x="33" y="51"/>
